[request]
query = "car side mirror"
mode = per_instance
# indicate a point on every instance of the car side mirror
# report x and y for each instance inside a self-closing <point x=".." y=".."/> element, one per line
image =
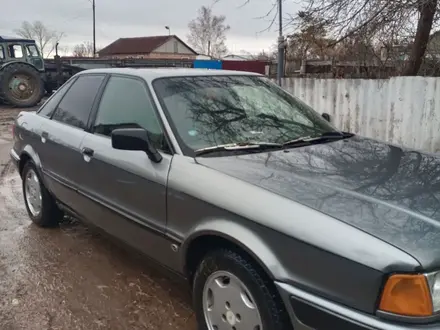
<point x="135" y="139"/>
<point x="326" y="116"/>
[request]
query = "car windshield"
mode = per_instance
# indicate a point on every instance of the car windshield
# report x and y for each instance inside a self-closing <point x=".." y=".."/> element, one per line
<point x="205" y="111"/>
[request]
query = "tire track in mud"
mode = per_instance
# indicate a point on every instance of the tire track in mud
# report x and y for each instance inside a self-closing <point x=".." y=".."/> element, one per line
<point x="4" y="170"/>
<point x="16" y="287"/>
<point x="10" y="192"/>
<point x="10" y="195"/>
<point x="6" y="309"/>
<point x="6" y="312"/>
<point x="15" y="283"/>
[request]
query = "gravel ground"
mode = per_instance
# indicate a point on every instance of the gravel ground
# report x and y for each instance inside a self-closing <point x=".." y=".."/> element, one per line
<point x="72" y="277"/>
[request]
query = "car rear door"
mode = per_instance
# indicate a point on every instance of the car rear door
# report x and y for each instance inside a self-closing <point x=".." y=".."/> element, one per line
<point x="128" y="189"/>
<point x="36" y="140"/>
<point x="61" y="137"/>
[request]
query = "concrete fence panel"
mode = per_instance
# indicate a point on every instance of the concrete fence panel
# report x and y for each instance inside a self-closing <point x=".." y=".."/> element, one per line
<point x="401" y="110"/>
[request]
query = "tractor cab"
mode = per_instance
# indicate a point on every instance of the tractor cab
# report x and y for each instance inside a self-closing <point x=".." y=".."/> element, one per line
<point x="16" y="49"/>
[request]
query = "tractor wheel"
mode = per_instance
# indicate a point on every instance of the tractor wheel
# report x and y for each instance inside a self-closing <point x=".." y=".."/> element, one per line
<point x="21" y="85"/>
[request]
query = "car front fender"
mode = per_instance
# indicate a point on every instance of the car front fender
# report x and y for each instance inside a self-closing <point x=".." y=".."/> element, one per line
<point x="240" y="235"/>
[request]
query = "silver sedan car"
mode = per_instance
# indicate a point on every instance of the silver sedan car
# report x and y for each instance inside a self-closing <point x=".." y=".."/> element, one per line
<point x="276" y="219"/>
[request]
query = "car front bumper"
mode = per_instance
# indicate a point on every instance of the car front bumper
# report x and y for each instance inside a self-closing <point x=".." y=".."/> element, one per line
<point x="309" y="312"/>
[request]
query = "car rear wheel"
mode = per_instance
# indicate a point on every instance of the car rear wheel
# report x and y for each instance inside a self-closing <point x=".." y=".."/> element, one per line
<point x="230" y="292"/>
<point x="40" y="204"/>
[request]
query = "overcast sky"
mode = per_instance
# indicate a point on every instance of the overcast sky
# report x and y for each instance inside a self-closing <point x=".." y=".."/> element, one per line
<point x="131" y="18"/>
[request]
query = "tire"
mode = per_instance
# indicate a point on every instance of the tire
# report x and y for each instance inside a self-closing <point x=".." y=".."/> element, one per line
<point x="15" y="76"/>
<point x="49" y="214"/>
<point x="263" y="294"/>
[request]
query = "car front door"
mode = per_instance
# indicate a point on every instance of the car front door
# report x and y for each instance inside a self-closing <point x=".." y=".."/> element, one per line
<point x="61" y="137"/>
<point x="128" y="189"/>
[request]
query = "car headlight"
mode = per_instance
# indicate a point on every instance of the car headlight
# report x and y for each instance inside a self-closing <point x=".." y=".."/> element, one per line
<point x="434" y="288"/>
<point x="416" y="295"/>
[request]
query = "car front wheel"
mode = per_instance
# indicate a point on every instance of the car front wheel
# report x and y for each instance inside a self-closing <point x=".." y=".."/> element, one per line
<point x="40" y="204"/>
<point x="231" y="292"/>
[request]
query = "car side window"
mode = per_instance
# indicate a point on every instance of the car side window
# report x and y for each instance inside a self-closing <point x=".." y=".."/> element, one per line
<point x="50" y="105"/>
<point x="126" y="103"/>
<point x="75" y="107"/>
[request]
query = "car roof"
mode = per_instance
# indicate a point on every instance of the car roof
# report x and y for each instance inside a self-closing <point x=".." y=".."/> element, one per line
<point x="149" y="74"/>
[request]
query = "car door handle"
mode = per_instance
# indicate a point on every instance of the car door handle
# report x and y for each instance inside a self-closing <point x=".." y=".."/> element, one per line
<point x="88" y="152"/>
<point x="44" y="136"/>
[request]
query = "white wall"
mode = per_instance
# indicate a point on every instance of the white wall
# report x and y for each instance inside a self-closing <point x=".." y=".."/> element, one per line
<point x="168" y="47"/>
<point x="401" y="110"/>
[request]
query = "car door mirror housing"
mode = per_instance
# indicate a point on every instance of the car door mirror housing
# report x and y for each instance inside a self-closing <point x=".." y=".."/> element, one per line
<point x="135" y="139"/>
<point x="326" y="116"/>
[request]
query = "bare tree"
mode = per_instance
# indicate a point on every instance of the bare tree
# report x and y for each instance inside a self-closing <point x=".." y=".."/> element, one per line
<point x="260" y="56"/>
<point x="45" y="38"/>
<point x="431" y="64"/>
<point x="376" y="18"/>
<point x="265" y="56"/>
<point x="84" y="49"/>
<point x="64" y="50"/>
<point x="310" y="42"/>
<point x="208" y="33"/>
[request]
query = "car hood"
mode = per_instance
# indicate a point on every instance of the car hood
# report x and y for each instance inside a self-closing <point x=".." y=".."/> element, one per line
<point x="389" y="192"/>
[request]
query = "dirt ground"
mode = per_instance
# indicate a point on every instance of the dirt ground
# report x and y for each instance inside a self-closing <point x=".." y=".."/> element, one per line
<point x="72" y="277"/>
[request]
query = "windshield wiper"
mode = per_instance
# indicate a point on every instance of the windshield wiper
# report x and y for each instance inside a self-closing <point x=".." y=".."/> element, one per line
<point x="239" y="146"/>
<point x="272" y="145"/>
<point x="324" y="137"/>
